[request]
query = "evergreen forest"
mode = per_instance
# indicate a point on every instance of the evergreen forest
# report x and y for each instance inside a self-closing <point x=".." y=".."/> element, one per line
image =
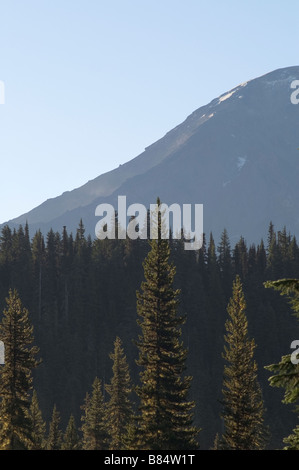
<point x="100" y="369"/>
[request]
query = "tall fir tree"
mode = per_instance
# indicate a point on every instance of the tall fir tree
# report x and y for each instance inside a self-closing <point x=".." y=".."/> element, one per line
<point x="38" y="425"/>
<point x="292" y="440"/>
<point x="54" y="440"/>
<point x="240" y="258"/>
<point x="119" y="407"/>
<point x="94" y="427"/>
<point x="38" y="261"/>
<point x="286" y="372"/>
<point x="6" y="257"/>
<point x="225" y="263"/>
<point x="273" y="259"/>
<point x="16" y="380"/>
<point x="166" y="421"/>
<point x="71" y="440"/>
<point x="243" y="407"/>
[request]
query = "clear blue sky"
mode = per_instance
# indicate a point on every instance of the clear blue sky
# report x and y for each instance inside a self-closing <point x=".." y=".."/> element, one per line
<point x="90" y="83"/>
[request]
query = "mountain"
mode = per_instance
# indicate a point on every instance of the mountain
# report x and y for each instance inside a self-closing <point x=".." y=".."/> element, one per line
<point x="238" y="156"/>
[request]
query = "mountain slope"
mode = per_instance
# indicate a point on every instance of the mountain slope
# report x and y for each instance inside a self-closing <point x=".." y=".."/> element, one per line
<point x="238" y="156"/>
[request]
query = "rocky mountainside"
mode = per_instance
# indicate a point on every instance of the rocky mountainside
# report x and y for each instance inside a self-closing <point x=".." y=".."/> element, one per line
<point x="238" y="156"/>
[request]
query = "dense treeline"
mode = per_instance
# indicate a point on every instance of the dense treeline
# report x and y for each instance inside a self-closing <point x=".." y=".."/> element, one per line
<point x="81" y="294"/>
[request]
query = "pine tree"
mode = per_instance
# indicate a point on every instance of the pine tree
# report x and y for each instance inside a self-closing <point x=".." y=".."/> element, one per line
<point x="243" y="410"/>
<point x="71" y="440"/>
<point x="119" y="407"/>
<point x="38" y="261"/>
<point x="292" y="440"/>
<point x="130" y="439"/>
<point x="21" y="272"/>
<point x="37" y="423"/>
<point x="240" y="258"/>
<point x="51" y="292"/>
<point x="16" y="332"/>
<point x="286" y="372"/>
<point x="217" y="443"/>
<point x="166" y="419"/>
<point x="94" y="428"/>
<point x="213" y="283"/>
<point x="273" y="258"/>
<point x="6" y="257"/>
<point x="66" y="255"/>
<point x="225" y="263"/>
<point x="261" y="259"/>
<point x="54" y="440"/>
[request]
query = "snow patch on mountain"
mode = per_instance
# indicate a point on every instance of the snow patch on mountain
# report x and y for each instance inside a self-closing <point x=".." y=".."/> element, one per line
<point x="225" y="97"/>
<point x="228" y="95"/>
<point x="241" y="162"/>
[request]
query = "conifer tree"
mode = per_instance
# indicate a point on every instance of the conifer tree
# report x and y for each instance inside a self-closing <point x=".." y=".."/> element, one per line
<point x="217" y="443"/>
<point x="6" y="257"/>
<point x="273" y="259"/>
<point x="38" y="260"/>
<point x="243" y="410"/>
<point x="261" y="259"/>
<point x="54" y="440"/>
<point x="240" y="258"/>
<point x="119" y="407"/>
<point x="21" y="273"/>
<point x="16" y="332"/>
<point x="71" y="440"/>
<point x="37" y="423"/>
<point x="286" y="372"/>
<point x="166" y="414"/>
<point x="130" y="439"/>
<point x="94" y="428"/>
<point x="213" y="279"/>
<point x="225" y="263"/>
<point x="292" y="440"/>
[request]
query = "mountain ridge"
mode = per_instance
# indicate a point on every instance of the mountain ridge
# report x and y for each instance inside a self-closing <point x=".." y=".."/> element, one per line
<point x="236" y="155"/>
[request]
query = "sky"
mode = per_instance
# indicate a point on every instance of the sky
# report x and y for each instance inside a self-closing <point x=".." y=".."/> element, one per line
<point x="88" y="84"/>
